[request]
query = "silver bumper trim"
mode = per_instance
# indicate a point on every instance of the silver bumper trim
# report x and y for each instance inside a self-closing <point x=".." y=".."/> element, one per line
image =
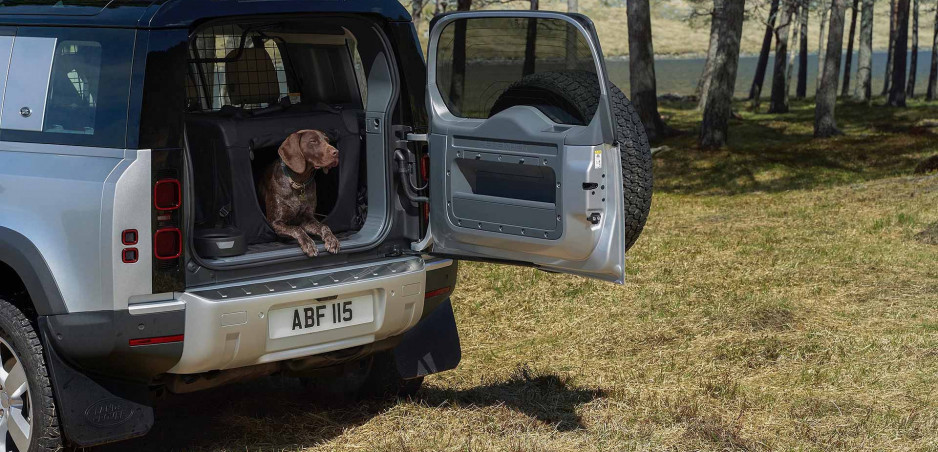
<point x="227" y="326"/>
<point x="438" y="264"/>
<point x="156" y="307"/>
<point x="313" y="280"/>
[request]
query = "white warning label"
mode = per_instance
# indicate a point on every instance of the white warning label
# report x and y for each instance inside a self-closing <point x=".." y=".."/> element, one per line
<point x="598" y="159"/>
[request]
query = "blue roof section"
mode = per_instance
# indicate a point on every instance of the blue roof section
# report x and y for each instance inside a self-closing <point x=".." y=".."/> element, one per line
<point x="177" y="13"/>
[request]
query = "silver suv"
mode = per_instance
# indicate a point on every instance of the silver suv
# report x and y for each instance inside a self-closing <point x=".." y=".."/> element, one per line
<point x="135" y="254"/>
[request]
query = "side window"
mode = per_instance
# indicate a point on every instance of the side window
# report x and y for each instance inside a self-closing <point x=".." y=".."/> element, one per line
<point x="359" y="70"/>
<point x="68" y="86"/>
<point x="73" y="88"/>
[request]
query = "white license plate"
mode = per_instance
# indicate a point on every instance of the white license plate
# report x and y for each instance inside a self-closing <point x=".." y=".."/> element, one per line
<point x="324" y="316"/>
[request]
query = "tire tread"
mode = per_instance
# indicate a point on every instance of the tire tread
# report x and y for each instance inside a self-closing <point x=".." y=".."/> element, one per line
<point x="20" y="332"/>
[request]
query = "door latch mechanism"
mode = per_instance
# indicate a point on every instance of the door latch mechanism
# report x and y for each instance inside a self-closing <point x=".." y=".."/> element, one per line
<point x="594" y="218"/>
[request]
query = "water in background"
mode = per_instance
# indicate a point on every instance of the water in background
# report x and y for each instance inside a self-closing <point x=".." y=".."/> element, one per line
<point x="679" y="75"/>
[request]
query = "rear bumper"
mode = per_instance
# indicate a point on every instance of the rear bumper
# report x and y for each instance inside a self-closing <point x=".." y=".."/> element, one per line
<point x="99" y="369"/>
<point x="228" y="327"/>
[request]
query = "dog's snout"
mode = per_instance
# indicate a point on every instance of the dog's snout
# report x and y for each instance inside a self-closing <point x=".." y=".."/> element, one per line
<point x="334" y="152"/>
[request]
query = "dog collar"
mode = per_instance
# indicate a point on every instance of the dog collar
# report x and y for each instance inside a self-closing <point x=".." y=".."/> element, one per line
<point x="293" y="176"/>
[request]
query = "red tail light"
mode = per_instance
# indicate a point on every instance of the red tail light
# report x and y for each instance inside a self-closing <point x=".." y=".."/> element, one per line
<point x="167" y="243"/>
<point x="425" y="167"/>
<point x="156" y="340"/>
<point x="425" y="174"/>
<point x="440" y="291"/>
<point x="167" y="194"/>
<point x="168" y="219"/>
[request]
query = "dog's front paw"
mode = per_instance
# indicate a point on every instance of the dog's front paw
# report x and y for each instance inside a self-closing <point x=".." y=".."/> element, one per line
<point x="332" y="244"/>
<point x="309" y="247"/>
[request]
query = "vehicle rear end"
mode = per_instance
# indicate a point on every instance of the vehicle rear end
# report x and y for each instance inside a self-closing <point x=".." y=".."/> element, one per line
<point x="233" y="90"/>
<point x="211" y="101"/>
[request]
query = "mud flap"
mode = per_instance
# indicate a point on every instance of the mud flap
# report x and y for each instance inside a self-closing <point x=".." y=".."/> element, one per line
<point x="430" y="347"/>
<point x="96" y="411"/>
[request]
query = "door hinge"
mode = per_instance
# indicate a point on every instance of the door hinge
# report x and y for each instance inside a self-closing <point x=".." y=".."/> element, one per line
<point x="404" y="134"/>
<point x="417" y="137"/>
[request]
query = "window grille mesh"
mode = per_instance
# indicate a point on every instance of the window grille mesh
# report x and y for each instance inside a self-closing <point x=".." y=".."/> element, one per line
<point x="230" y="65"/>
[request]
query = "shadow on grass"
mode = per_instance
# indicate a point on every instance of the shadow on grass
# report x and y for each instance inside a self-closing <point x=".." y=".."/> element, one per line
<point x="548" y="398"/>
<point x="272" y="413"/>
<point x="278" y="413"/>
<point x="777" y="152"/>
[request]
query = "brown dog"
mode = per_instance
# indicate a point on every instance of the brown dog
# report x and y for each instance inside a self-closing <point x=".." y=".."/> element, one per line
<point x="289" y="190"/>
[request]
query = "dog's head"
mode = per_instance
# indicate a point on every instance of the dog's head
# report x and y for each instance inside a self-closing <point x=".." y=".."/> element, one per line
<point x="307" y="150"/>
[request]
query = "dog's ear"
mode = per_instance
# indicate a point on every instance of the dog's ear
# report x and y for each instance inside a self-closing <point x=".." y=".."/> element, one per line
<point x="291" y="152"/>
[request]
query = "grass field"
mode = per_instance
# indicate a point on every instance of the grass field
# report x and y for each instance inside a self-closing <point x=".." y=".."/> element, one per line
<point x="783" y="296"/>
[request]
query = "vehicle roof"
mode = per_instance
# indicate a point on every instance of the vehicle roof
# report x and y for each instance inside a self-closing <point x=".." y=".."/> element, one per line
<point x="176" y="13"/>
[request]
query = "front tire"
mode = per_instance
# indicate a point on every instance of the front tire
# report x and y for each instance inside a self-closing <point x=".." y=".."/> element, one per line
<point x="28" y="422"/>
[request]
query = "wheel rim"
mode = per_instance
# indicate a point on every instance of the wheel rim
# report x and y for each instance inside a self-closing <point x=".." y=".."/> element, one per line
<point x="16" y="420"/>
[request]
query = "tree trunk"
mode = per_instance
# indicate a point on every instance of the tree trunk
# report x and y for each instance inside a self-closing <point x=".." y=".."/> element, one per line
<point x="642" y="68"/>
<point x="913" y="64"/>
<point x="779" y="101"/>
<point x="824" y="8"/>
<point x="847" y="64"/>
<point x="703" y="83"/>
<point x="530" y="43"/>
<point x="891" y="46"/>
<point x="756" y="89"/>
<point x="802" y="90"/>
<point x="825" y="124"/>
<point x="728" y="20"/>
<point x="932" y="92"/>
<point x="416" y="10"/>
<point x="798" y="14"/>
<point x="458" y="80"/>
<point x="897" y="88"/>
<point x="864" y="91"/>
